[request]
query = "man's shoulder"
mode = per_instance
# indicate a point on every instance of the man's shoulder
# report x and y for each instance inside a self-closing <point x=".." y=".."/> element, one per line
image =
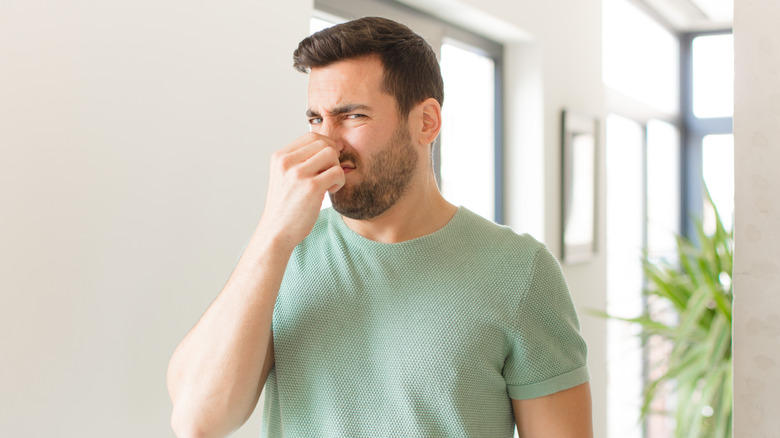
<point x="485" y="233"/>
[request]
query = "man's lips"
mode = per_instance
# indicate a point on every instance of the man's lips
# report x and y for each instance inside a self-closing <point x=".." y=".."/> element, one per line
<point x="347" y="167"/>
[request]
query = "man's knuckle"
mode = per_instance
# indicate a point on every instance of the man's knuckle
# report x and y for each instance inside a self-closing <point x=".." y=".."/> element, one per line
<point x="312" y="185"/>
<point x="286" y="162"/>
<point x="296" y="172"/>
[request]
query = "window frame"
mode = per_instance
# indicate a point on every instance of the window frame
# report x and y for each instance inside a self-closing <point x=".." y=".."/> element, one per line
<point x="692" y="132"/>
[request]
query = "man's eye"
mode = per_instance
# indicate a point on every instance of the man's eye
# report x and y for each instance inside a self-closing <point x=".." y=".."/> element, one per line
<point x="356" y="116"/>
<point x="315" y="120"/>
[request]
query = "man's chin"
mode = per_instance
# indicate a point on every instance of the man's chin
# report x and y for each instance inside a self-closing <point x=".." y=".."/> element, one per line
<point x="351" y="213"/>
<point x="350" y="209"/>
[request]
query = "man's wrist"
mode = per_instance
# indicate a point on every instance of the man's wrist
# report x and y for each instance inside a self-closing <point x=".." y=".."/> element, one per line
<point x="267" y="244"/>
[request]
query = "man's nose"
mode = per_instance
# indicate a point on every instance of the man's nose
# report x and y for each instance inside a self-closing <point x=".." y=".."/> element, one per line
<point x="332" y="130"/>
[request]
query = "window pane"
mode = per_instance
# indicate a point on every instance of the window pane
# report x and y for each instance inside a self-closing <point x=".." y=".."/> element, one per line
<point x="468" y="130"/>
<point x="641" y="58"/>
<point x="718" y="170"/>
<point x="663" y="189"/>
<point x="663" y="223"/>
<point x="625" y="218"/>
<point x="713" y="76"/>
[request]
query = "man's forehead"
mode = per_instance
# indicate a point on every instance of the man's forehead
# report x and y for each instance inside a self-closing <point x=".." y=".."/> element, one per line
<point x="368" y="64"/>
<point x="343" y="78"/>
<point x="349" y="83"/>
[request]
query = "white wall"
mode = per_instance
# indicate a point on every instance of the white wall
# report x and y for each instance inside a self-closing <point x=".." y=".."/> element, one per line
<point x="757" y="219"/>
<point x="134" y="140"/>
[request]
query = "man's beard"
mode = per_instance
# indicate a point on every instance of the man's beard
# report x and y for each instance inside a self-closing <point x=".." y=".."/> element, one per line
<point x="385" y="177"/>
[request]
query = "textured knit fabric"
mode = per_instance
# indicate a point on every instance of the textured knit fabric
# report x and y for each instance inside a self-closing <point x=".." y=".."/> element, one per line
<point x="425" y="338"/>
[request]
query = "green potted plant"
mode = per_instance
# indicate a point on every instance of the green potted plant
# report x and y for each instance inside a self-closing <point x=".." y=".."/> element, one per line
<point x="698" y="369"/>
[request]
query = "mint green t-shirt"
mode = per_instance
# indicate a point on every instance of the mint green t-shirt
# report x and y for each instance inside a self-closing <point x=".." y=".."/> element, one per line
<point x="430" y="337"/>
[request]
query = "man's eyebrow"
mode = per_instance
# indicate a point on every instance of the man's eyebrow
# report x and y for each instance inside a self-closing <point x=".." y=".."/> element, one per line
<point x="339" y="110"/>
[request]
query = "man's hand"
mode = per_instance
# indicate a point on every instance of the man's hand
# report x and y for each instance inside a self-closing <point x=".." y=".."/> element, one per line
<point x="219" y="369"/>
<point x="300" y="174"/>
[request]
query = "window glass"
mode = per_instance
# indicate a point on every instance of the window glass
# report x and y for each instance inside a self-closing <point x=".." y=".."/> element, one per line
<point x="713" y="76"/>
<point x="468" y="130"/>
<point x="718" y="172"/>
<point x="641" y="58"/>
<point x="663" y="223"/>
<point x="625" y="231"/>
<point x="663" y="189"/>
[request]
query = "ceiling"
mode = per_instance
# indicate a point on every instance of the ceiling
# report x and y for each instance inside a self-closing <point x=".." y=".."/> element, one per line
<point x="694" y="15"/>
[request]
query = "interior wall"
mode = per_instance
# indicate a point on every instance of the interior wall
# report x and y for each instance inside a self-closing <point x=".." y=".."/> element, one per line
<point x="135" y="139"/>
<point x="756" y="219"/>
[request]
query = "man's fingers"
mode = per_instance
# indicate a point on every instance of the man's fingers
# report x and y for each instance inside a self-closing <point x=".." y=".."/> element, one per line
<point x="305" y="152"/>
<point x="332" y="178"/>
<point x="322" y="160"/>
<point x="300" y="174"/>
<point x="304" y="168"/>
<point x="305" y="142"/>
<point x="326" y="169"/>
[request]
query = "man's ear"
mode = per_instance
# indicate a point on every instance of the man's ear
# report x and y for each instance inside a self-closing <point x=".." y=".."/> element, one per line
<point x="429" y="122"/>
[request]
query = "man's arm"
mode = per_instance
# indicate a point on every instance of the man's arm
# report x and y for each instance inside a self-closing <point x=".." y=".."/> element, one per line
<point x="217" y="372"/>
<point x="564" y="414"/>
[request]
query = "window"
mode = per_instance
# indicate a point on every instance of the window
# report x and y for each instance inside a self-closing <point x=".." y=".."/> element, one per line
<point x="663" y="189"/>
<point x="468" y="131"/>
<point x="718" y="173"/>
<point x="713" y="75"/>
<point x="468" y="154"/>
<point x="669" y="137"/>
<point x="708" y="108"/>
<point x="625" y="240"/>
<point x="641" y="70"/>
<point x="641" y="57"/>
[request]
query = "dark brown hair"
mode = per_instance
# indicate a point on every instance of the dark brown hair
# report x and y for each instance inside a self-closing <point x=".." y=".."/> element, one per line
<point x="411" y="71"/>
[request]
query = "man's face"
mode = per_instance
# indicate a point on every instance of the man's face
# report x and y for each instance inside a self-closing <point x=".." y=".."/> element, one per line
<point x="347" y="104"/>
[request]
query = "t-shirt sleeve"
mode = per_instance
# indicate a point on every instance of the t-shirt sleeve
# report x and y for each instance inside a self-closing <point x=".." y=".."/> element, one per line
<point x="547" y="353"/>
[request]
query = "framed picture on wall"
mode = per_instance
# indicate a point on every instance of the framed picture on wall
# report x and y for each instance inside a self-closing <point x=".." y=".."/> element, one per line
<point x="579" y="141"/>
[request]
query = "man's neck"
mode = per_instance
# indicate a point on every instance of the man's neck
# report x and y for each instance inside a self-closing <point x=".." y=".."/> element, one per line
<point x="417" y="214"/>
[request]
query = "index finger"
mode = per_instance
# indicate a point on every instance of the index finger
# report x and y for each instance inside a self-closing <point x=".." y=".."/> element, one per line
<point x="307" y="139"/>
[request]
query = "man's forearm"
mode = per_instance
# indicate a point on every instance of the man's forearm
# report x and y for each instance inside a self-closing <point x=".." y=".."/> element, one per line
<point x="214" y="376"/>
<point x="564" y="414"/>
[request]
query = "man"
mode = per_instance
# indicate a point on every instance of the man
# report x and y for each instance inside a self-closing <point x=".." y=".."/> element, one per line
<point x="395" y="313"/>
